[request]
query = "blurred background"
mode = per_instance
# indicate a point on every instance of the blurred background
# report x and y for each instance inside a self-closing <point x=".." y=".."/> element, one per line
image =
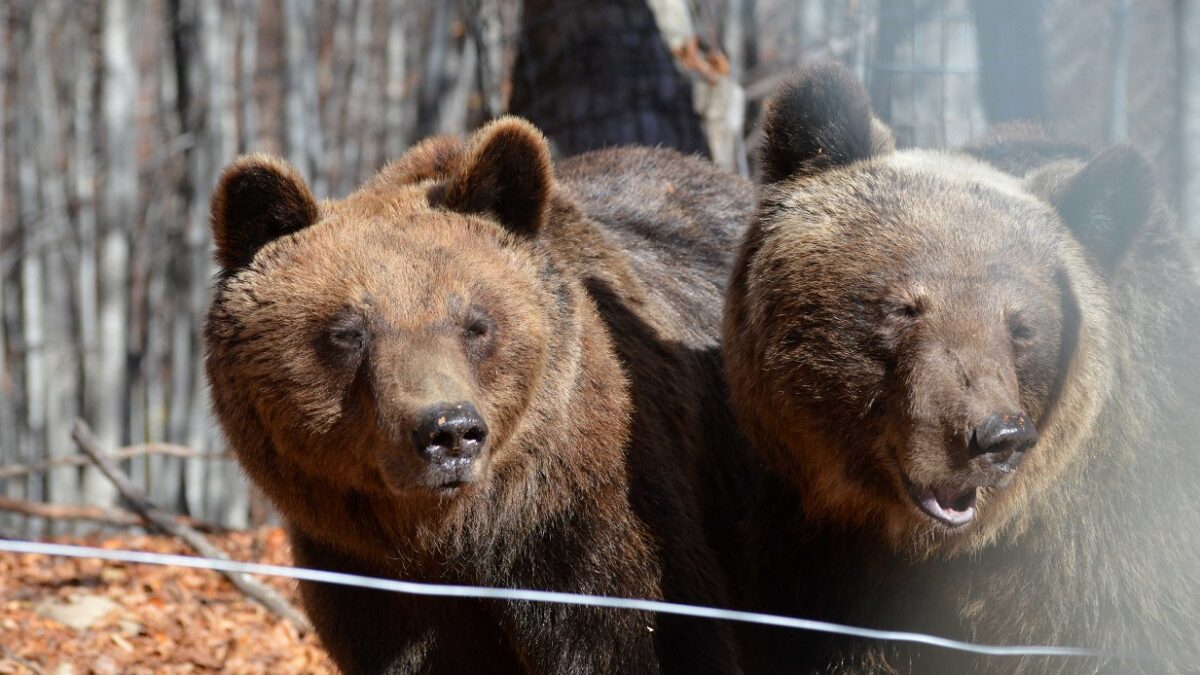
<point x="116" y="116"/>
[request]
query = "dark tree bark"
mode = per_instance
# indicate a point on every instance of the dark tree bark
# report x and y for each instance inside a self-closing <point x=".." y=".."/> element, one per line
<point x="1011" y="59"/>
<point x="597" y="73"/>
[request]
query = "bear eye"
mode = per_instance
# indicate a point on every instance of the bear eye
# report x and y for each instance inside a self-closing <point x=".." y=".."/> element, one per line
<point x="477" y="325"/>
<point x="903" y="309"/>
<point x="476" y="329"/>
<point x="1019" y="330"/>
<point x="347" y="334"/>
<point x="351" y="339"/>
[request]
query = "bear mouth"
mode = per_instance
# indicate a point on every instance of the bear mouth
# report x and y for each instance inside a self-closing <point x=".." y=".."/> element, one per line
<point x="453" y="477"/>
<point x="452" y="486"/>
<point x="445" y="481"/>
<point x="951" y="506"/>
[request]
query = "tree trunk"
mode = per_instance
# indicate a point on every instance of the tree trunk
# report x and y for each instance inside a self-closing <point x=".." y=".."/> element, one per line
<point x="399" y="111"/>
<point x="597" y="73"/>
<point x="486" y="31"/>
<point x="57" y="348"/>
<point x="1011" y="59"/>
<point x="8" y="413"/>
<point x="1189" y="113"/>
<point x="33" y="431"/>
<point x="120" y="197"/>
<point x="305" y="145"/>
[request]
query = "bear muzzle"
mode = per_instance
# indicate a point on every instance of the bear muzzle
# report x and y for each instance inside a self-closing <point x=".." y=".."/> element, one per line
<point x="998" y="445"/>
<point x="450" y="437"/>
<point x="996" y="448"/>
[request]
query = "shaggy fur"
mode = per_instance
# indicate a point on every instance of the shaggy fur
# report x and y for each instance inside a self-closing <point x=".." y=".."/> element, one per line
<point x="884" y="306"/>
<point x="578" y="315"/>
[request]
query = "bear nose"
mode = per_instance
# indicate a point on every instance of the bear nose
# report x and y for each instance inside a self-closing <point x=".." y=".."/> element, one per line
<point x="446" y="433"/>
<point x="1002" y="439"/>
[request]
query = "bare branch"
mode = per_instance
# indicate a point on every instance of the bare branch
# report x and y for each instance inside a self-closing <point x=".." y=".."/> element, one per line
<point x="15" y="470"/>
<point x="104" y="515"/>
<point x="109" y="516"/>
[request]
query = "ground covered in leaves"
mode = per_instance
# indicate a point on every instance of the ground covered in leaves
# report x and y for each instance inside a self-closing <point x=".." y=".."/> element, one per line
<point x="65" y="616"/>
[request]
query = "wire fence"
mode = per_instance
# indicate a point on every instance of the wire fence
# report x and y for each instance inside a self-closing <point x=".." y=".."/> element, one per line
<point x="576" y="599"/>
<point x="116" y="116"/>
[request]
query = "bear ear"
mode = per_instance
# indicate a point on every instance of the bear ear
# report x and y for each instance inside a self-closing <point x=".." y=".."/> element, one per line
<point x="506" y="173"/>
<point x="258" y="198"/>
<point x="1105" y="203"/>
<point x="819" y="119"/>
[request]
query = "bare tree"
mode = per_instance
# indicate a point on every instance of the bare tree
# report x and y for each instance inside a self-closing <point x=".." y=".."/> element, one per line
<point x="120" y="196"/>
<point x="1188" y="24"/>
<point x="597" y="73"/>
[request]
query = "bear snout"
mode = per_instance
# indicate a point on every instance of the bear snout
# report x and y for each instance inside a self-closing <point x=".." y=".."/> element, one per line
<point x="450" y="436"/>
<point x="1001" y="441"/>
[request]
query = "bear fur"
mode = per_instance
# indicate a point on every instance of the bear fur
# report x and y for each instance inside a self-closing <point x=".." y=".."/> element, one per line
<point x="577" y="314"/>
<point x="888" y="306"/>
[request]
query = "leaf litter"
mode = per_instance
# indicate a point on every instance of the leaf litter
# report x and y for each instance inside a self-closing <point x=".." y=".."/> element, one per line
<point x="69" y="616"/>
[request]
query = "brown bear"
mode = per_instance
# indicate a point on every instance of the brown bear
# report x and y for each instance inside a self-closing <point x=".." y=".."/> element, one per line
<point x="976" y="391"/>
<point x="473" y="371"/>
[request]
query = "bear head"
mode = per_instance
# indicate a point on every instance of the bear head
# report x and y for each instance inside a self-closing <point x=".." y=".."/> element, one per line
<point x="390" y="342"/>
<point x="913" y="338"/>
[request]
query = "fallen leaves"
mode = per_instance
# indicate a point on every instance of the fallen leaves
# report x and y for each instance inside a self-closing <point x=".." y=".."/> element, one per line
<point x="147" y="618"/>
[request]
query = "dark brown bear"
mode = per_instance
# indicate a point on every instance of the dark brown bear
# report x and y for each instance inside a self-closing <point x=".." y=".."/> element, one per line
<point x="470" y="371"/>
<point x="978" y="395"/>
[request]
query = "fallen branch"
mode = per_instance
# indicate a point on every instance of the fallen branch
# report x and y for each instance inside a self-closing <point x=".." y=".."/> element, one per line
<point x="111" y="516"/>
<point x="165" y="522"/>
<point x="66" y="512"/>
<point x="17" y="470"/>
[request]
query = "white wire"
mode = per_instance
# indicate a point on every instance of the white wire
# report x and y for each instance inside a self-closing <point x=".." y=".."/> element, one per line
<point x="510" y="594"/>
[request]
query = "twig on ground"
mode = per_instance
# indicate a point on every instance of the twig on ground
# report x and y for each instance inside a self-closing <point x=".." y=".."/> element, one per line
<point x="164" y="521"/>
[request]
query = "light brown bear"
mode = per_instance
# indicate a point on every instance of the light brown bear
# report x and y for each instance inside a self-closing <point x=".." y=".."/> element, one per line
<point x="473" y="371"/>
<point x="977" y="393"/>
